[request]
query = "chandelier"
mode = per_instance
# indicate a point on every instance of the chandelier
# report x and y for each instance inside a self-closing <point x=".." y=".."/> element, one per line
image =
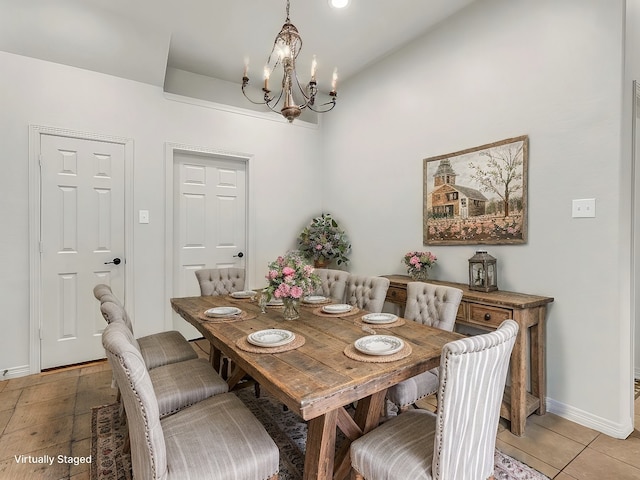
<point x="293" y="97"/>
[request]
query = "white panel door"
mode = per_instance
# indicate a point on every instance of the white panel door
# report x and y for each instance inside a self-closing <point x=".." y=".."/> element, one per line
<point x="82" y="229"/>
<point x="209" y="221"/>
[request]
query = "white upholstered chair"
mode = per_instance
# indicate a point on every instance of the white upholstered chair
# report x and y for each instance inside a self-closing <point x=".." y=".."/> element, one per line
<point x="157" y="349"/>
<point x="215" y="438"/>
<point x="436" y="306"/>
<point x="458" y="442"/>
<point x="367" y="293"/>
<point x="177" y="385"/>
<point x="333" y="283"/>
<point x="220" y="281"/>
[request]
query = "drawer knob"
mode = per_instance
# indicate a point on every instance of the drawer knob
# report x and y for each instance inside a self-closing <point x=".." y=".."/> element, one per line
<point x="487" y="316"/>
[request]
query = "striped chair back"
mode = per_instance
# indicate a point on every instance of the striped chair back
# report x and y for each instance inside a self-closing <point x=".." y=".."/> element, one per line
<point x="473" y="372"/>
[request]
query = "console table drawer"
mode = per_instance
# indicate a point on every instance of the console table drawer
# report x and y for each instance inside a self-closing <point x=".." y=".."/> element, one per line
<point x="397" y="295"/>
<point x="488" y="316"/>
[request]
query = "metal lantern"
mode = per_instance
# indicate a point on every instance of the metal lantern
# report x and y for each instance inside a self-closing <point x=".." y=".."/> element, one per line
<point x="483" y="272"/>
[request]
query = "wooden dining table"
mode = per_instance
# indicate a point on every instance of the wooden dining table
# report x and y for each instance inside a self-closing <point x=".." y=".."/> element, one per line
<point x="317" y="380"/>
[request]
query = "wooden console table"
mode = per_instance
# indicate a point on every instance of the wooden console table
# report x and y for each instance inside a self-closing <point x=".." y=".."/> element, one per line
<point x="487" y="311"/>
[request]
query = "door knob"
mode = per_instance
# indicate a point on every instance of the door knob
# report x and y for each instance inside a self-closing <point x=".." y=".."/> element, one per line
<point x="115" y="261"/>
<point x="239" y="255"/>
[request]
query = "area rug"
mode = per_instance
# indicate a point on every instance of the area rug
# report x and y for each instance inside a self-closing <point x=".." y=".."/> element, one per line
<point x="287" y="430"/>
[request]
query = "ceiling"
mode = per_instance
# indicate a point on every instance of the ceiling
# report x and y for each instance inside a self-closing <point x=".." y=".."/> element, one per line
<point x="140" y="39"/>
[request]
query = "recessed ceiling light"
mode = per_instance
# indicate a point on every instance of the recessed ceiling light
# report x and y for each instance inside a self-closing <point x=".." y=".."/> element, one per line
<point x="338" y="3"/>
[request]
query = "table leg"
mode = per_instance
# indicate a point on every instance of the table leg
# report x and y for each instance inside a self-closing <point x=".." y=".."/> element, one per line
<point x="366" y="418"/>
<point x="237" y="375"/>
<point x="321" y="445"/>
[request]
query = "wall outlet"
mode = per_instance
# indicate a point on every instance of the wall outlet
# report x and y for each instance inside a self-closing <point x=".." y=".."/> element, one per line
<point x="584" y="208"/>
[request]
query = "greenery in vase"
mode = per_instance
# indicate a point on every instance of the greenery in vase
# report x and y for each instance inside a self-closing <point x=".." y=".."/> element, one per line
<point x="290" y="276"/>
<point x="418" y="262"/>
<point x="323" y="239"/>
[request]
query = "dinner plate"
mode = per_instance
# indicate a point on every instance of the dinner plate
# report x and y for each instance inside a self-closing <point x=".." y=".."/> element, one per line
<point x="379" y="345"/>
<point x="272" y="337"/>
<point x="275" y="302"/>
<point x="337" y="308"/>
<point x="243" y="294"/>
<point x="379" y="318"/>
<point x="222" y="312"/>
<point x="314" y="299"/>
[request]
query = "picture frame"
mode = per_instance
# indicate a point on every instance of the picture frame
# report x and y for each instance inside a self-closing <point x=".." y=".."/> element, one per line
<point x="477" y="196"/>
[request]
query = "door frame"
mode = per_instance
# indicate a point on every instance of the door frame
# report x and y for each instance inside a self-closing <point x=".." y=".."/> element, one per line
<point x="35" y="207"/>
<point x="169" y="162"/>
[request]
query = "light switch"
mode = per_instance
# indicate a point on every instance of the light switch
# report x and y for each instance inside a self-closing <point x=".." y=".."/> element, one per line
<point x="143" y="216"/>
<point x="583" y="208"/>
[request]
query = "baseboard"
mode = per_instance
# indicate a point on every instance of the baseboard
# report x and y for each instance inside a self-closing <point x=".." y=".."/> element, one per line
<point x="7" y="373"/>
<point x="586" y="419"/>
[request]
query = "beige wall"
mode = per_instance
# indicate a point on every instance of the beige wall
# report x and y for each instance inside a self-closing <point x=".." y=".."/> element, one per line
<point x="549" y="69"/>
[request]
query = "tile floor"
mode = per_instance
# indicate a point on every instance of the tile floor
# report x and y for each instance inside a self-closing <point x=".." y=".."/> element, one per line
<point x="50" y="413"/>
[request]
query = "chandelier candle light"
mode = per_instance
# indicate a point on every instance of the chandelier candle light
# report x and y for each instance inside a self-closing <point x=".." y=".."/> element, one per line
<point x="286" y="48"/>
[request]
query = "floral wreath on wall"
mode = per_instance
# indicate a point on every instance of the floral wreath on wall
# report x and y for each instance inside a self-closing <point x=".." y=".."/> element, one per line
<point x="324" y="241"/>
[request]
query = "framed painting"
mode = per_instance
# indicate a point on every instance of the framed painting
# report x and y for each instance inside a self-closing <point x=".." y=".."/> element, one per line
<point x="477" y="196"/>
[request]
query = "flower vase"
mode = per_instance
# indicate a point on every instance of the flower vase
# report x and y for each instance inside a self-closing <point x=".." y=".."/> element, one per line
<point x="419" y="275"/>
<point x="320" y="263"/>
<point x="291" y="308"/>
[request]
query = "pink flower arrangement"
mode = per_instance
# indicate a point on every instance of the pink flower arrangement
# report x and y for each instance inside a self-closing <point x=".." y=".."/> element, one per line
<point x="418" y="261"/>
<point x="290" y="276"/>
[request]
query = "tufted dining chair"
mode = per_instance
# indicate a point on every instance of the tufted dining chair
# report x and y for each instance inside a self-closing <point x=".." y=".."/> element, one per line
<point x="333" y="283"/>
<point x="179" y="384"/>
<point x="458" y="442"/>
<point x="436" y="306"/>
<point x="220" y="281"/>
<point x="157" y="349"/>
<point x="367" y="293"/>
<point x="215" y="438"/>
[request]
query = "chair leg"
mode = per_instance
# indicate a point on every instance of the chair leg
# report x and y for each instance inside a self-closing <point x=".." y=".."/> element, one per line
<point x="256" y="389"/>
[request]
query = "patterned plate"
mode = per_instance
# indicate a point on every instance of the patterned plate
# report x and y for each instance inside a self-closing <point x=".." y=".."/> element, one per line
<point x="272" y="337"/>
<point x="379" y="318"/>
<point x="379" y="345"/>
<point x="218" y="312"/>
<point x="337" y="308"/>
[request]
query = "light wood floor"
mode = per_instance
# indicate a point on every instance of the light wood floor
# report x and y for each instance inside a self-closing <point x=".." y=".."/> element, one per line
<point x="50" y="413"/>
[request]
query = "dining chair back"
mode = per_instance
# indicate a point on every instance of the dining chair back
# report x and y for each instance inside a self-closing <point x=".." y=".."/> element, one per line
<point x="435" y="306"/>
<point x="367" y="293"/>
<point x="333" y="283"/>
<point x="201" y="441"/>
<point x="458" y="442"/>
<point x="220" y="281"/>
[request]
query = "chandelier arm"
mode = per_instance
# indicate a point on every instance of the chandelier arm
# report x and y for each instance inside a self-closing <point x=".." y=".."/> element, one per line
<point x="317" y="110"/>
<point x="273" y="105"/>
